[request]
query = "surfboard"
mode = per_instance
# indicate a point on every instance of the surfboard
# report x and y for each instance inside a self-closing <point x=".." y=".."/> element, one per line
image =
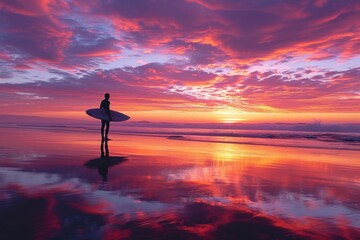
<point x="101" y="114"/>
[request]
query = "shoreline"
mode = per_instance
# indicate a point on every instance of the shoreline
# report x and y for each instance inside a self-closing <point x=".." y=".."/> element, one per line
<point x="326" y="141"/>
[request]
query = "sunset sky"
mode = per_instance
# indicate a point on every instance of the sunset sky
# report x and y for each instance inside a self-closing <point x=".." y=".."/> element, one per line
<point x="182" y="60"/>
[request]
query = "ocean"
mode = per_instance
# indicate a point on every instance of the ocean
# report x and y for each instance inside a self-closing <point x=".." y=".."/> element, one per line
<point x="231" y="134"/>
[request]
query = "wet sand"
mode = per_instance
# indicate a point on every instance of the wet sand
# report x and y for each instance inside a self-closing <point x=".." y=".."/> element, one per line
<point x="55" y="184"/>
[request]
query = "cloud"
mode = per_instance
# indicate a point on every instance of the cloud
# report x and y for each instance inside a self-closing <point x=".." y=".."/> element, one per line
<point x="165" y="86"/>
<point x="322" y="92"/>
<point x="217" y="54"/>
<point x="205" y="32"/>
<point x="245" y="31"/>
<point x="92" y="42"/>
<point x="136" y="88"/>
<point x="48" y="33"/>
<point x="33" y="36"/>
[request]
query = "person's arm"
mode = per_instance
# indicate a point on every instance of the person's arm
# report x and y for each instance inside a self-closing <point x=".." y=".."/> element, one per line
<point x="106" y="107"/>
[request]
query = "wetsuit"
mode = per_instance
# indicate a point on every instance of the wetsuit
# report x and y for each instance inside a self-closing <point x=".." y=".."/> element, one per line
<point x="105" y="104"/>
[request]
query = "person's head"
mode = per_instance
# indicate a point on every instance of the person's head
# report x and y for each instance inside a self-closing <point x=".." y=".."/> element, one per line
<point x="107" y="96"/>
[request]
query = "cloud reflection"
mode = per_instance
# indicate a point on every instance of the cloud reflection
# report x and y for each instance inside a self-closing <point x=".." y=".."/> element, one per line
<point x="173" y="189"/>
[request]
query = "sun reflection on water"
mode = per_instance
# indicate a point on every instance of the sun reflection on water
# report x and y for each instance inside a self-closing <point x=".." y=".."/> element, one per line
<point x="165" y="181"/>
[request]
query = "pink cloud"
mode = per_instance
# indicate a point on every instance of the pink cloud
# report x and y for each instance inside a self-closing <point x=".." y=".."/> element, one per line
<point x="324" y="92"/>
<point x="245" y="30"/>
<point x="135" y="88"/>
<point x="211" y="44"/>
<point x="33" y="38"/>
<point x="206" y="31"/>
<point x="45" y="32"/>
<point x="156" y="86"/>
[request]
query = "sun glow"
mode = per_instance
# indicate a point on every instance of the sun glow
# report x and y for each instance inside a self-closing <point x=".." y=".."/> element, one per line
<point x="230" y="115"/>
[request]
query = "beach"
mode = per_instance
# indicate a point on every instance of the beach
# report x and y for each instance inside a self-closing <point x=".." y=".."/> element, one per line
<point x="54" y="184"/>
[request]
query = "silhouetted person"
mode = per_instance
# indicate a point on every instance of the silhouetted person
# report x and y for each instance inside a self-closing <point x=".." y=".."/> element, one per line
<point x="105" y="104"/>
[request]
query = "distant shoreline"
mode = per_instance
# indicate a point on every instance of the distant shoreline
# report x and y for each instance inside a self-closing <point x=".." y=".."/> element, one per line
<point x="278" y="138"/>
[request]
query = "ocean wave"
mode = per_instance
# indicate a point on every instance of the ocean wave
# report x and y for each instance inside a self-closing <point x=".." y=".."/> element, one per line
<point x="257" y="137"/>
<point x="322" y="137"/>
<point x="293" y="143"/>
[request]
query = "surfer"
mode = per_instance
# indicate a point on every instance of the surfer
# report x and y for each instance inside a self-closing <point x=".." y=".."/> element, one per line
<point x="105" y="104"/>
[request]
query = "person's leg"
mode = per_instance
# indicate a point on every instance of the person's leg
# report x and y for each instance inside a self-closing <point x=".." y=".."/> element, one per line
<point x="102" y="129"/>
<point x="107" y="129"/>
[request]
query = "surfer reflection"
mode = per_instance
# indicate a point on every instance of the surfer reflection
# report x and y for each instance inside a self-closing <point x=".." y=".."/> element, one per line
<point x="105" y="124"/>
<point x="103" y="171"/>
<point x="103" y="163"/>
<point x="104" y="146"/>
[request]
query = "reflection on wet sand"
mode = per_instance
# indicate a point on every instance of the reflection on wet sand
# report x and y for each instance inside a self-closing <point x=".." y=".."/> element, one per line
<point x="173" y="190"/>
<point x="105" y="161"/>
<point x="62" y="214"/>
